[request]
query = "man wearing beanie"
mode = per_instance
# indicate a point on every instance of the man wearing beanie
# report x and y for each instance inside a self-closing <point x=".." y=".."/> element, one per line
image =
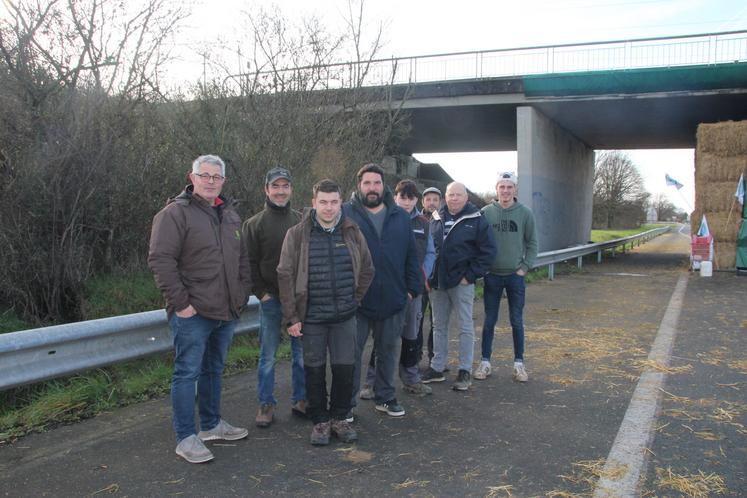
<point x="265" y="232"/>
<point x="514" y="229"/>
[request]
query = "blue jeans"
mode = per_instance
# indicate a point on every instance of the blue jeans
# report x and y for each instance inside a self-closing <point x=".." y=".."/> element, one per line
<point x="270" y="318"/>
<point x="201" y="346"/>
<point x="515" y="291"/>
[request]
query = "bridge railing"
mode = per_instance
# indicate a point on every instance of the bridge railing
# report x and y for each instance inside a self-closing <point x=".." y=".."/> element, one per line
<point x="712" y="48"/>
<point x="30" y="356"/>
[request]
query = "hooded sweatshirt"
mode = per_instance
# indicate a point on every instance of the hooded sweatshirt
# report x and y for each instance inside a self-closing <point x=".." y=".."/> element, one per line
<point x="516" y="237"/>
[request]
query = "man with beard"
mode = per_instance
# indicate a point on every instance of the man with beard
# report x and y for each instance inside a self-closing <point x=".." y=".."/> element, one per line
<point x="265" y="232"/>
<point x="397" y="279"/>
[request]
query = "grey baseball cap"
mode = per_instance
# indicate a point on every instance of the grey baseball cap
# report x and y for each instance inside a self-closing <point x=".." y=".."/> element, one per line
<point x="275" y="173"/>
<point x="432" y="190"/>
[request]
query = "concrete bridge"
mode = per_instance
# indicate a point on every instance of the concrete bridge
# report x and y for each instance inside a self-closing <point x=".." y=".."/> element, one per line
<point x="556" y="105"/>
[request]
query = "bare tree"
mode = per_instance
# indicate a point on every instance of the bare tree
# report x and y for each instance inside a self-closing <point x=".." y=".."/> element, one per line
<point x="617" y="186"/>
<point x="664" y="208"/>
<point x="76" y="75"/>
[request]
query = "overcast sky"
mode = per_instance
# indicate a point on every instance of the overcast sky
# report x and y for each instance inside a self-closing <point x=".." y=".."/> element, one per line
<point x="420" y="27"/>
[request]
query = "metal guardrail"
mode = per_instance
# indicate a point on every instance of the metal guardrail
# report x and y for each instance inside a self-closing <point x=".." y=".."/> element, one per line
<point x="711" y="48"/>
<point x="35" y="355"/>
<point x="551" y="257"/>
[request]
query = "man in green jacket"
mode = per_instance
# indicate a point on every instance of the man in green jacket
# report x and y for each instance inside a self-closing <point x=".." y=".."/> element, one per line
<point x="264" y="233"/>
<point x="515" y="234"/>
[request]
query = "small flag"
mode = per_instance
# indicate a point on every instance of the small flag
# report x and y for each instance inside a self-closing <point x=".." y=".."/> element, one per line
<point x="739" y="194"/>
<point x="671" y="181"/>
<point x="703" y="230"/>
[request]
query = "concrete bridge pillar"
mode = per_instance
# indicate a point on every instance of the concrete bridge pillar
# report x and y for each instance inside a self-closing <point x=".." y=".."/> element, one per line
<point x="556" y="176"/>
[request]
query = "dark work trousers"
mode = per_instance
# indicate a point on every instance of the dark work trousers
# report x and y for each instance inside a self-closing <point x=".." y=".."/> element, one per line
<point x="426" y="307"/>
<point x="339" y="339"/>
<point x="387" y="335"/>
<point x="408" y="357"/>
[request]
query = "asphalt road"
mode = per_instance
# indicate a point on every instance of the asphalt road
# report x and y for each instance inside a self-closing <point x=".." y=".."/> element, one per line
<point x="589" y="334"/>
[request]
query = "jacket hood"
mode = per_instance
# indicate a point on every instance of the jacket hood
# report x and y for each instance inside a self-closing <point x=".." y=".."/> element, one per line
<point x="513" y="206"/>
<point x="188" y="195"/>
<point x="468" y="209"/>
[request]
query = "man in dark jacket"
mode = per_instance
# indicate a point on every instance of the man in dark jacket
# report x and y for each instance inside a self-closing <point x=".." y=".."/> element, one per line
<point x="201" y="266"/>
<point x="264" y="233"/>
<point x="324" y="271"/>
<point x="465" y="248"/>
<point x="398" y="278"/>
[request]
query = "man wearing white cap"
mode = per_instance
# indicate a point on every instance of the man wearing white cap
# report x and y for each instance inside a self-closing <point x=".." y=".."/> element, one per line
<point x="515" y="234"/>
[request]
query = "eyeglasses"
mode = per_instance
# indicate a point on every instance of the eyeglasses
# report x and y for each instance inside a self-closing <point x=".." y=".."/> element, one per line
<point x="206" y="177"/>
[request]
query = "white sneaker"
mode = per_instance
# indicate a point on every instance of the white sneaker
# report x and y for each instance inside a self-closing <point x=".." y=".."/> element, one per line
<point x="224" y="431"/>
<point x="520" y="373"/>
<point x="483" y="371"/>
<point x="193" y="450"/>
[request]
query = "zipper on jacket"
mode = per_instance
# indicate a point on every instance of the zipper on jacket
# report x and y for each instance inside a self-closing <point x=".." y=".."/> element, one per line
<point x="330" y="245"/>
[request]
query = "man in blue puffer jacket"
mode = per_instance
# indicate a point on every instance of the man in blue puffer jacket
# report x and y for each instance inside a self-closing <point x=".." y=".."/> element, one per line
<point x="398" y="278"/>
<point x="465" y="249"/>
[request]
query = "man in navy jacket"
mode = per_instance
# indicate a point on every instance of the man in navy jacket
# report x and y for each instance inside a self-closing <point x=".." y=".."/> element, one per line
<point x="465" y="249"/>
<point x="397" y="279"/>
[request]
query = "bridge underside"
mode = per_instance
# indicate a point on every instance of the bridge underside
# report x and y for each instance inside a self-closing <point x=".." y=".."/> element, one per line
<point x="555" y="122"/>
<point x="609" y="122"/>
<point x="637" y="109"/>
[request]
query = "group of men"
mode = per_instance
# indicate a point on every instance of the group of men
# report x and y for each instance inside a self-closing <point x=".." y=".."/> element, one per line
<point x="332" y="276"/>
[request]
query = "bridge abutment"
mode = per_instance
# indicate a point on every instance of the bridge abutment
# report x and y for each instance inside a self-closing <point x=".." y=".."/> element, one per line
<point x="556" y="176"/>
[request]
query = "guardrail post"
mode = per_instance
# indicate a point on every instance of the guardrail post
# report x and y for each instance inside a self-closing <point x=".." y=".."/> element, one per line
<point x="551" y="271"/>
<point x="599" y="256"/>
<point x="579" y="261"/>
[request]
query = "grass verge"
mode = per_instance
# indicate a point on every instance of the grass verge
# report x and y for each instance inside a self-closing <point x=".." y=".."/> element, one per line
<point x="48" y="404"/>
<point x="605" y="235"/>
<point x="9" y="322"/>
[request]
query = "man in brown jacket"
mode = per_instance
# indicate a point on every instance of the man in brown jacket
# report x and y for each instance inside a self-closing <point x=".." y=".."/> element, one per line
<point x="324" y="271"/>
<point x="201" y="266"/>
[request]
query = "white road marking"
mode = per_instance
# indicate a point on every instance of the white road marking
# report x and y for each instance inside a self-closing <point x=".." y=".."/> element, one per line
<point x="627" y="458"/>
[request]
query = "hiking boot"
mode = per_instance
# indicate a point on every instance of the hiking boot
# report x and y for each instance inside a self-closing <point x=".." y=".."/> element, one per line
<point x="431" y="375"/>
<point x="299" y="408"/>
<point x="224" y="431"/>
<point x="417" y="389"/>
<point x="343" y="431"/>
<point x="265" y="415"/>
<point x="193" y="450"/>
<point x="483" y="371"/>
<point x="320" y="434"/>
<point x="463" y="381"/>
<point x="520" y="373"/>
<point x="366" y="392"/>
<point x="391" y="408"/>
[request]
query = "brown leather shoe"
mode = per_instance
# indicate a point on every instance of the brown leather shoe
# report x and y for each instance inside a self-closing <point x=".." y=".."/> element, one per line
<point x="299" y="408"/>
<point x="265" y="415"/>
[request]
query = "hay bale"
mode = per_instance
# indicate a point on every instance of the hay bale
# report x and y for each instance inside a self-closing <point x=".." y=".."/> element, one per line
<point x="711" y="167"/>
<point x="728" y="138"/>
<point x="717" y="224"/>
<point x="717" y="196"/>
<point x="725" y="255"/>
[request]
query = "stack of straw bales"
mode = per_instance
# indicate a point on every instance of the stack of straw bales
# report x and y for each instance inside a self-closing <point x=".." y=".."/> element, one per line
<point x="720" y="157"/>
